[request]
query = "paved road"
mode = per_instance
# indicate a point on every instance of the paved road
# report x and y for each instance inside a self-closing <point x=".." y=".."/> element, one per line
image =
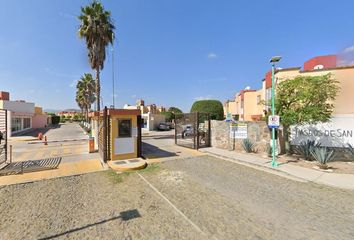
<point x="160" y="146"/>
<point x="69" y="150"/>
<point x="193" y="198"/>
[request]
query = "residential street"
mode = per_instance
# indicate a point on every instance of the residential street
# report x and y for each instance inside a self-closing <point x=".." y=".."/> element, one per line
<point x="191" y="198"/>
<point x="66" y="140"/>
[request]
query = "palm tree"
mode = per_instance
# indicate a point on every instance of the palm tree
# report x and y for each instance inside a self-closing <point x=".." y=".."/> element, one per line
<point x="97" y="29"/>
<point x="85" y="94"/>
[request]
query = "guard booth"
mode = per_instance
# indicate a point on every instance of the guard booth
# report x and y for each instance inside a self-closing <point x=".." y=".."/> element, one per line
<point x="118" y="132"/>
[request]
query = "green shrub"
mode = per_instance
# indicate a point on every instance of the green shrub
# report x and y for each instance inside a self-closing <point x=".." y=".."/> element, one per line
<point x="168" y="116"/>
<point x="248" y="145"/>
<point x="55" y="119"/>
<point x="213" y="107"/>
<point x="351" y="149"/>
<point x="305" y="147"/>
<point x="322" y="155"/>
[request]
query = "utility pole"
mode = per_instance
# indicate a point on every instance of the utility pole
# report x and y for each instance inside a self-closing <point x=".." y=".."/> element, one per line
<point x="273" y="60"/>
<point x="113" y="95"/>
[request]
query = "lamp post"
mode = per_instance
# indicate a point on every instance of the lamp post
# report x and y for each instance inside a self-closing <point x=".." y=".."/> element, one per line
<point x="272" y="61"/>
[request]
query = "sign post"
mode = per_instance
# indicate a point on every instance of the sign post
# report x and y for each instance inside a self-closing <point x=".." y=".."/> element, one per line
<point x="275" y="119"/>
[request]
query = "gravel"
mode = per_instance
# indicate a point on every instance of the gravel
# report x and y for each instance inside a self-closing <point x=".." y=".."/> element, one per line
<point x="225" y="200"/>
<point x="89" y="206"/>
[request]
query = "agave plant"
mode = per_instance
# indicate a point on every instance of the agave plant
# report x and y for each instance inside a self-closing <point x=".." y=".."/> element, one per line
<point x="322" y="155"/>
<point x="351" y="149"/>
<point x="248" y="145"/>
<point x="305" y="147"/>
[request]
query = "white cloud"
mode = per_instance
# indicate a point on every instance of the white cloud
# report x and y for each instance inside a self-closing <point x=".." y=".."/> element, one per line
<point x="208" y="97"/>
<point x="349" y="49"/>
<point x="133" y="96"/>
<point x="31" y="91"/>
<point x="212" y="55"/>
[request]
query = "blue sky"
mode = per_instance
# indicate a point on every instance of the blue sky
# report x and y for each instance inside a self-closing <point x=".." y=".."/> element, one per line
<point x="168" y="52"/>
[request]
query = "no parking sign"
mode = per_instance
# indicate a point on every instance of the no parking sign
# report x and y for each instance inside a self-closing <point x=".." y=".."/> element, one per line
<point x="273" y="121"/>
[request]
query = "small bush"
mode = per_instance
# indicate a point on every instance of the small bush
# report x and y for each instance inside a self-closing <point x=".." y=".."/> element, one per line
<point x="322" y="155"/>
<point x="55" y="119"/>
<point x="213" y="107"/>
<point x="305" y="147"/>
<point x="248" y="145"/>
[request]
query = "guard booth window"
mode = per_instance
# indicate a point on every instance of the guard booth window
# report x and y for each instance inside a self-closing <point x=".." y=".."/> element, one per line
<point x="124" y="128"/>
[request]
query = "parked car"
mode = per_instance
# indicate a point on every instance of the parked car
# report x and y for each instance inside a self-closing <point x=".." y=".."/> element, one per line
<point x="163" y="127"/>
<point x="187" y="131"/>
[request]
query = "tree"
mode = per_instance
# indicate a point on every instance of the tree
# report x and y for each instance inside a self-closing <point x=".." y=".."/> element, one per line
<point x="171" y="112"/>
<point x="174" y="110"/>
<point x="97" y="29"/>
<point x="85" y="94"/>
<point x="305" y="100"/>
<point x="168" y="116"/>
<point x="213" y="107"/>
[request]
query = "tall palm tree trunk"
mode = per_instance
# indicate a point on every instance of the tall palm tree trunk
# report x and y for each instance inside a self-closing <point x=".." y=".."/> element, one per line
<point x="98" y="89"/>
<point x="86" y="115"/>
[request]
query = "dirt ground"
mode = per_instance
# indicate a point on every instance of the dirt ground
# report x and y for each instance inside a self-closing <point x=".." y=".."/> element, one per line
<point x="193" y="198"/>
<point x="346" y="167"/>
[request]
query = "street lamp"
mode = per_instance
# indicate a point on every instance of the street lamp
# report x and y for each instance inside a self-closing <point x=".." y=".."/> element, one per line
<point x="272" y="61"/>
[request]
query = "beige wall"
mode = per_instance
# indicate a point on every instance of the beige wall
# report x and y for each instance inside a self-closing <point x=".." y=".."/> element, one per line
<point x="250" y="105"/>
<point x="230" y="107"/>
<point x="345" y="77"/>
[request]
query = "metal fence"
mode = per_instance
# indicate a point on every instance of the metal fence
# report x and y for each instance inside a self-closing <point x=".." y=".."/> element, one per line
<point x="192" y="130"/>
<point x="3" y="136"/>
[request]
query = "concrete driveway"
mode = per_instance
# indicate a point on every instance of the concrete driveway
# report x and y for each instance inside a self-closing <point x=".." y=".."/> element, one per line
<point x="160" y="146"/>
<point x="66" y="153"/>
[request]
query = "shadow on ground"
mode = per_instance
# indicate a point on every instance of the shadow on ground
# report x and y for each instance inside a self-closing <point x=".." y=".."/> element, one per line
<point x="151" y="151"/>
<point x="36" y="131"/>
<point x="125" y="216"/>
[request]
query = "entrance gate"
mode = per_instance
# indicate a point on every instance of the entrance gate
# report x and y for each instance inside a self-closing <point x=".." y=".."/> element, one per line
<point x="104" y="138"/>
<point x="3" y="137"/>
<point x="192" y="130"/>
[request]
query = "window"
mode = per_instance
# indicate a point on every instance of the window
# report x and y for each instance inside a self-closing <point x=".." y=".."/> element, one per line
<point x="16" y="124"/>
<point x="26" y="123"/>
<point x="124" y="128"/>
<point x="259" y="99"/>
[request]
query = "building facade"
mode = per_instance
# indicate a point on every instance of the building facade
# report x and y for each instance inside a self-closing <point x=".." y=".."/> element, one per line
<point x="252" y="105"/>
<point x="22" y="115"/>
<point x="150" y="115"/>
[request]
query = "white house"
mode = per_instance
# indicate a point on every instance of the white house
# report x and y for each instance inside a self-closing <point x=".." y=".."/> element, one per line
<point x="19" y="114"/>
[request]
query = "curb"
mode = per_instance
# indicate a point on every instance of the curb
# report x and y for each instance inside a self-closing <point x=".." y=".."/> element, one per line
<point x="277" y="172"/>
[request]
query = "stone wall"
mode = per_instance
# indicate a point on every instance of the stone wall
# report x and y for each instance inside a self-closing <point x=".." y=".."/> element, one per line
<point x="257" y="132"/>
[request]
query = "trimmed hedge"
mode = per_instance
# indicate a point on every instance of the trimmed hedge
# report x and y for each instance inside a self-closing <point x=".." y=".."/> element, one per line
<point x="213" y="107"/>
<point x="55" y="120"/>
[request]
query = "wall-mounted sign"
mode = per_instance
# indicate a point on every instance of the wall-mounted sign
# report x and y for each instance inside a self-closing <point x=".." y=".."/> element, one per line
<point x="229" y="118"/>
<point x="336" y="133"/>
<point x="238" y="130"/>
<point x="273" y="121"/>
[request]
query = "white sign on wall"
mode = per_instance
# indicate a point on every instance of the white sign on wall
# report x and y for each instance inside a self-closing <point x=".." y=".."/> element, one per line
<point x="336" y="133"/>
<point x="238" y="130"/>
<point x="123" y="145"/>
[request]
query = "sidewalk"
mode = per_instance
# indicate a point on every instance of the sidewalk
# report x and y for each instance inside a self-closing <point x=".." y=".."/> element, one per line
<point x="345" y="181"/>
<point x="64" y="169"/>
